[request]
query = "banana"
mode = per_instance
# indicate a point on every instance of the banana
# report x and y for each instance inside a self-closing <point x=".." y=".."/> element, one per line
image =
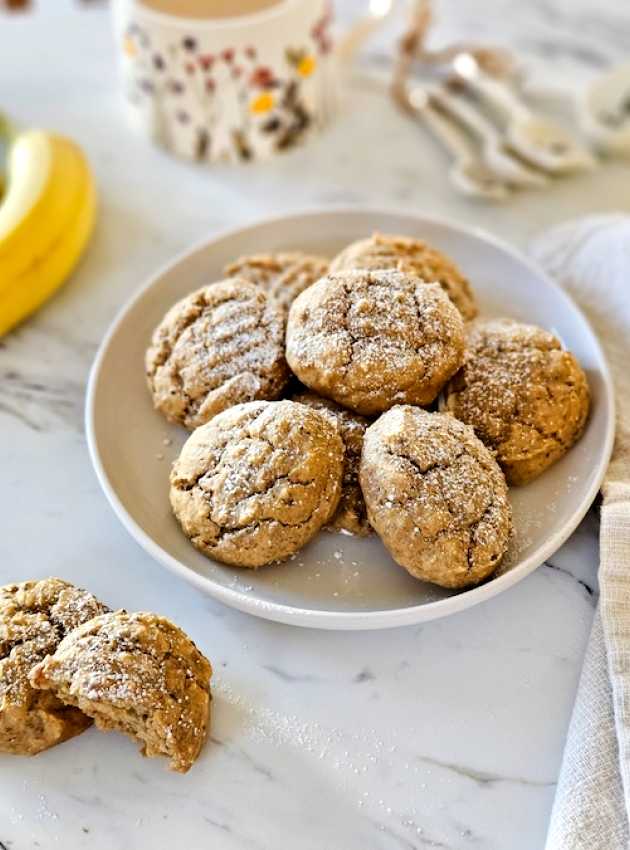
<point x="47" y="215"/>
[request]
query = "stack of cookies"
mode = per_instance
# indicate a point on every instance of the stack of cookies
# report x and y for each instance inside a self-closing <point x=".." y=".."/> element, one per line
<point x="360" y="394"/>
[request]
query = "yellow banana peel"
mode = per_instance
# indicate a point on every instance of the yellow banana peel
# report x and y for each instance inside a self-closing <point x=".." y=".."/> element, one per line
<point x="47" y="215"/>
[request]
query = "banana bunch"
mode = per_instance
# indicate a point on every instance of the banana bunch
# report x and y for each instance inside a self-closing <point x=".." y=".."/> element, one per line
<point x="47" y="214"/>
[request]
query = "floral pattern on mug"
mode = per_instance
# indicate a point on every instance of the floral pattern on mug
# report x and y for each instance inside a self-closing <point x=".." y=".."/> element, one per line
<point x="229" y="104"/>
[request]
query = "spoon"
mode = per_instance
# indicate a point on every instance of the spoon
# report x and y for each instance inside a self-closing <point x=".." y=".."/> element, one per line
<point x="467" y="171"/>
<point x="492" y="147"/>
<point x="536" y="139"/>
<point x="604" y="110"/>
<point x="378" y="12"/>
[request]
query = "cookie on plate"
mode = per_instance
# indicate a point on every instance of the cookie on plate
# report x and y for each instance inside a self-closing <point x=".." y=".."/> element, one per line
<point x="372" y="339"/>
<point x="414" y="257"/>
<point x="526" y="398"/>
<point x="351" y="515"/>
<point x="222" y="345"/>
<point x="436" y="496"/>
<point x="282" y="275"/>
<point x="34" y="617"/>
<point x="138" y="674"/>
<point x="258" y="481"/>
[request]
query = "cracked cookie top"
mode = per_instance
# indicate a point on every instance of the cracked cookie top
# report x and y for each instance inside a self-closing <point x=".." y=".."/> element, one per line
<point x="254" y="484"/>
<point x="436" y="496"/>
<point x="222" y="345"/>
<point x="414" y="257"/>
<point x="34" y="617"/>
<point x="283" y="276"/>
<point x="137" y="673"/>
<point x="372" y="339"/>
<point x="525" y="396"/>
<point x="351" y="515"/>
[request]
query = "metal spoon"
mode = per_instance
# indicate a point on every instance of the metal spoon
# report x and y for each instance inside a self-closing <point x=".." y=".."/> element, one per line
<point x="604" y="110"/>
<point x="536" y="139"/>
<point x="352" y="41"/>
<point x="492" y="147"/>
<point x="467" y="171"/>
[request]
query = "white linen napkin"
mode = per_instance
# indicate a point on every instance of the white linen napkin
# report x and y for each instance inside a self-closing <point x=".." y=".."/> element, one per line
<point x="590" y="258"/>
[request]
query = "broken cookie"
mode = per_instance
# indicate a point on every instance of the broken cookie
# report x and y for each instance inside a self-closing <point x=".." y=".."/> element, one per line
<point x="35" y="616"/>
<point x="138" y="674"/>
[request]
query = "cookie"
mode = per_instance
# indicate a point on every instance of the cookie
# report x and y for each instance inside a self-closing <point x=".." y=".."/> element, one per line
<point x="257" y="482"/>
<point x="372" y="339"/>
<point x="34" y="617"/>
<point x="351" y="515"/>
<point x="436" y="496"/>
<point x="282" y="276"/>
<point x="219" y="346"/>
<point x="137" y="674"/>
<point x="526" y="398"/>
<point x="414" y="257"/>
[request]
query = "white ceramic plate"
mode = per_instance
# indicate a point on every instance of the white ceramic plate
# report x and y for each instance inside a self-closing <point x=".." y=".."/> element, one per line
<point x="337" y="581"/>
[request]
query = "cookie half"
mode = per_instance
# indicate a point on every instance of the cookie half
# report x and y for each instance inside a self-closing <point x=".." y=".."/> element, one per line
<point x="35" y="616"/>
<point x="138" y="674"/>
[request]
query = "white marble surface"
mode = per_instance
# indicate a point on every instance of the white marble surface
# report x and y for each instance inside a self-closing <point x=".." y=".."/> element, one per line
<point x="446" y="736"/>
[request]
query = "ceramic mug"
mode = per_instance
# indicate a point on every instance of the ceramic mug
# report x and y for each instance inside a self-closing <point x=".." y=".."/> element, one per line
<point x="227" y="88"/>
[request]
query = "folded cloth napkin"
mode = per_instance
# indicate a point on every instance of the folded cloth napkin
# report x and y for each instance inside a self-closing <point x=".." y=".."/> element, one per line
<point x="590" y="258"/>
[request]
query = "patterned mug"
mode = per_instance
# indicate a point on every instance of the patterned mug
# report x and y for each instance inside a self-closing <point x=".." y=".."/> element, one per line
<point x="230" y="88"/>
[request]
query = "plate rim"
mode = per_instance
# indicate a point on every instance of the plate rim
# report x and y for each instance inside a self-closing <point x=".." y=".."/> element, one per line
<point x="342" y="620"/>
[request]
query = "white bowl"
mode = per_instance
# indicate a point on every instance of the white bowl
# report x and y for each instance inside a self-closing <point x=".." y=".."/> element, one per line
<point x="337" y="581"/>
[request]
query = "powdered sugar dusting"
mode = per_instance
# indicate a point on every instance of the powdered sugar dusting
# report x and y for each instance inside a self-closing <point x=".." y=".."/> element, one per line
<point x="284" y="276"/>
<point x="525" y="396"/>
<point x="366" y="337"/>
<point x="220" y="346"/>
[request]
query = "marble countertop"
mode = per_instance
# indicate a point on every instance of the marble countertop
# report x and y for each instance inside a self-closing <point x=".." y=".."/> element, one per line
<point x="447" y="735"/>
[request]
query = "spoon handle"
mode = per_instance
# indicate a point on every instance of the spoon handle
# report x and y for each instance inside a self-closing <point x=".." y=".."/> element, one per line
<point x="496" y="94"/>
<point x="466" y="114"/>
<point x="444" y="130"/>
<point x="468" y="173"/>
<point x="352" y="41"/>
<point x="492" y="150"/>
